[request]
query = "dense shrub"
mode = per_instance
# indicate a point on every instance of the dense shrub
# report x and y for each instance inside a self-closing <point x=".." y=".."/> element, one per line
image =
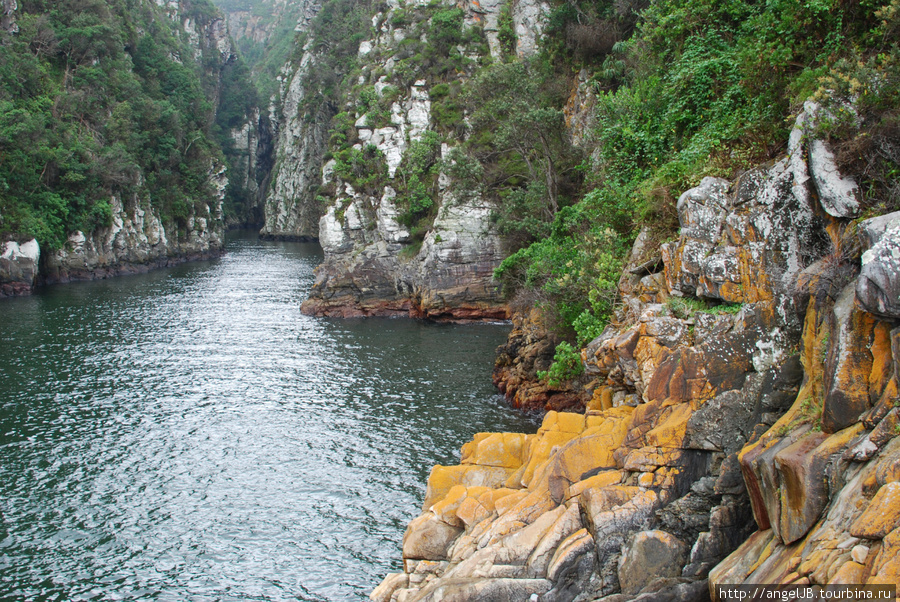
<point x="95" y="101"/>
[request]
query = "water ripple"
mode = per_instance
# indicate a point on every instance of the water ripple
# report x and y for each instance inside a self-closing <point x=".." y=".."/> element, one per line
<point x="189" y="435"/>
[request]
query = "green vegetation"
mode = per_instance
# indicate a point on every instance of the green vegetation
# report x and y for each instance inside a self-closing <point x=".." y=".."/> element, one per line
<point x="416" y="182"/>
<point x="685" y="307"/>
<point x="99" y="99"/>
<point x="684" y="89"/>
<point x="566" y="366"/>
<point x="519" y="137"/>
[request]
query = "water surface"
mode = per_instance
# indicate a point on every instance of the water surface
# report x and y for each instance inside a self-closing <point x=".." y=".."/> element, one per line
<point x="188" y="435"/>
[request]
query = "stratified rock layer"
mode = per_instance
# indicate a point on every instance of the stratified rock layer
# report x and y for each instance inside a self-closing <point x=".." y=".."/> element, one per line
<point x="376" y="262"/>
<point x="18" y="267"/>
<point x="137" y="241"/>
<point x="752" y="441"/>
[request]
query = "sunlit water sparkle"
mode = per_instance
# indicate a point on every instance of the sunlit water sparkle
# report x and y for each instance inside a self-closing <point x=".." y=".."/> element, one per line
<point x="188" y="435"/>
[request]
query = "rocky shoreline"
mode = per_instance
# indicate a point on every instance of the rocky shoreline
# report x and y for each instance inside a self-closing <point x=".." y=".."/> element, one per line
<point x="741" y="426"/>
<point x="136" y="242"/>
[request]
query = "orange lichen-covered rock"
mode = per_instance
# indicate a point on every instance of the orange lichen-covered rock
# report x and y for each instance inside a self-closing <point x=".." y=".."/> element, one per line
<point x="882" y="361"/>
<point x="472" y="511"/>
<point x="443" y="478"/>
<point x="850" y="573"/>
<point x="671" y="427"/>
<point x="882" y="515"/>
<point x="504" y="450"/>
<point x="598" y="481"/>
<point x="849" y="366"/>
<point x="886" y="566"/>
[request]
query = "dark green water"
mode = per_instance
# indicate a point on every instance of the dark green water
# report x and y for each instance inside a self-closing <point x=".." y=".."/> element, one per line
<point x="189" y="435"/>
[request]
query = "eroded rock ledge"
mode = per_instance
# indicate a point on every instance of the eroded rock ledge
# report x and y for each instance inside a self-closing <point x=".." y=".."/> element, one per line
<point x="136" y="242"/>
<point x="365" y="273"/>
<point x="749" y="442"/>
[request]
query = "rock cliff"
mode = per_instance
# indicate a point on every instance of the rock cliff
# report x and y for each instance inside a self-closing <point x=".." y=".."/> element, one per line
<point x="290" y="210"/>
<point x="136" y="224"/>
<point x="741" y="426"/>
<point x="138" y="241"/>
<point x="381" y="257"/>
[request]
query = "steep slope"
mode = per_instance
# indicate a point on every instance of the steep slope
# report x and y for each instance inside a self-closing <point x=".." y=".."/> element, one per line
<point x="370" y="159"/>
<point x="112" y="155"/>
<point x="737" y="379"/>
<point x="769" y="404"/>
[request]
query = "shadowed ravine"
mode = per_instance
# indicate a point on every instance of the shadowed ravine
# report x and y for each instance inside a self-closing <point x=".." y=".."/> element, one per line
<point x="189" y="435"/>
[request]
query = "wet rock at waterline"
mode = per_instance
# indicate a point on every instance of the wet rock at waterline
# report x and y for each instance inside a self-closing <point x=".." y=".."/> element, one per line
<point x="18" y="267"/>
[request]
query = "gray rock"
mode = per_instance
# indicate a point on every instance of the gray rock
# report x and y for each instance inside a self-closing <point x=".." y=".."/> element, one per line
<point x="650" y="555"/>
<point x="18" y="267"/>
<point x="137" y="241"/>
<point x="675" y="590"/>
<point x="701" y="210"/>
<point x="878" y="286"/>
<point x="291" y="210"/>
<point x="871" y="230"/>
<point x="837" y="194"/>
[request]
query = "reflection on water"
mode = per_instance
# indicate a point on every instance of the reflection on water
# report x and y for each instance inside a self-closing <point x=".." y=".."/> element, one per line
<point x="188" y="435"/>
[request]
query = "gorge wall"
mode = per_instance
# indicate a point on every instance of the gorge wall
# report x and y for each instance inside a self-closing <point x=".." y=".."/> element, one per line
<point x="143" y="183"/>
<point x="741" y="425"/>
<point x="343" y="170"/>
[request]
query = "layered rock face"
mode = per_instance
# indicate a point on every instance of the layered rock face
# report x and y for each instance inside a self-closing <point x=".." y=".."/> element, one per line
<point x="291" y="211"/>
<point x="741" y="427"/>
<point x="365" y="273"/>
<point x="18" y="267"/>
<point x="375" y="265"/>
<point x="138" y="241"/>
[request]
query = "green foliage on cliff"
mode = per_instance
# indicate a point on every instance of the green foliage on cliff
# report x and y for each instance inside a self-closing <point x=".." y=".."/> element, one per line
<point x="101" y="98"/>
<point x="519" y="136"/>
<point x="707" y="88"/>
<point x="690" y="88"/>
<point x="566" y="366"/>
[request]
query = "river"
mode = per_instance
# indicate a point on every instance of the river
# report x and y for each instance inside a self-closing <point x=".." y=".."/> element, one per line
<point x="187" y="434"/>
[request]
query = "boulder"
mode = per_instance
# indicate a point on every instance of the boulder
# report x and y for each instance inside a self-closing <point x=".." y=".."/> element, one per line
<point x="870" y="231"/>
<point x="18" y="267"/>
<point x="838" y="194"/>
<point x="428" y="538"/>
<point x="651" y="554"/>
<point x="878" y="285"/>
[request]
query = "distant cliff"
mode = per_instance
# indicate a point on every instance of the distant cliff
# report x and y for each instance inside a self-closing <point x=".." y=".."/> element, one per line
<point x="118" y="166"/>
<point x="370" y="158"/>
